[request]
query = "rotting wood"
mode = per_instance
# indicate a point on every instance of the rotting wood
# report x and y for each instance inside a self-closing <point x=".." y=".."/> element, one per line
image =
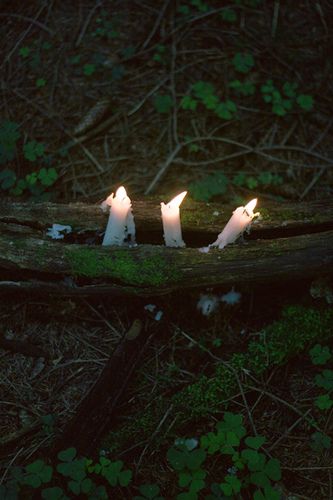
<point x="30" y="261"/>
<point x="196" y="217"/>
<point x="96" y="410"/>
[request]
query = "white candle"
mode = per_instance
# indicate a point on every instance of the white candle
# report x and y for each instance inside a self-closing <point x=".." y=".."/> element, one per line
<point x="121" y="220"/>
<point x="240" y="221"/>
<point x="171" y="222"/>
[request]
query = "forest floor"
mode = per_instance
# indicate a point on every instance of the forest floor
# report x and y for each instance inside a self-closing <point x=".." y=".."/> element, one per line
<point x="229" y="103"/>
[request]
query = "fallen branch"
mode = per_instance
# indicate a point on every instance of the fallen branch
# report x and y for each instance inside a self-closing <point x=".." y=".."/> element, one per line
<point x="94" y="414"/>
<point x="30" y="260"/>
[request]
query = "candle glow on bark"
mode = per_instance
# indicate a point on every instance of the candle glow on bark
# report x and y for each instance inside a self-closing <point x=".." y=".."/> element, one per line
<point x="171" y="221"/>
<point x="121" y="220"/>
<point x="239" y="222"/>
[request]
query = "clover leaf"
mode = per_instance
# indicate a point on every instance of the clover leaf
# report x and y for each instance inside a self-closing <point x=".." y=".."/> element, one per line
<point x="163" y="103"/>
<point x="325" y="379"/>
<point x="149" y="492"/>
<point x="47" y="176"/>
<point x="7" y="179"/>
<point x="89" y="69"/>
<point x="320" y="441"/>
<point x="243" y="62"/>
<point x="33" y="150"/>
<point x="232" y="485"/>
<point x="188" y="103"/>
<point x="320" y="355"/>
<point x="305" y="102"/>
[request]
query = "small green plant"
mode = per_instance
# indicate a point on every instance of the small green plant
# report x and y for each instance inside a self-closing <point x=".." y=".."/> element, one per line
<point x="149" y="492"/>
<point x="7" y="179"/>
<point x="204" y="93"/>
<point x="33" y="150"/>
<point x="37" y="473"/>
<point x="47" y="176"/>
<point x="245" y="88"/>
<point x="320" y="355"/>
<point x="320" y="441"/>
<point x="40" y="82"/>
<point x="189" y="103"/>
<point x="192" y="7"/>
<point x="160" y="54"/>
<point x="283" y="100"/>
<point x="75" y="59"/>
<point x="89" y="69"/>
<point x="200" y="5"/>
<point x="187" y="462"/>
<point x="35" y="182"/>
<point x="216" y="184"/>
<point x="112" y="471"/>
<point x="243" y="62"/>
<point x="264" y="180"/>
<point x="163" y="103"/>
<point x="228" y="15"/>
<point x="106" y="28"/>
<point x="48" y="422"/>
<point x="9" y="135"/>
<point x="212" y="185"/>
<point x="76" y="474"/>
<point x="24" y="52"/>
<point x="250" y="465"/>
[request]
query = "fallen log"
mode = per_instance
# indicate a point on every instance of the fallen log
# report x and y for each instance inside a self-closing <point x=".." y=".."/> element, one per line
<point x="299" y="244"/>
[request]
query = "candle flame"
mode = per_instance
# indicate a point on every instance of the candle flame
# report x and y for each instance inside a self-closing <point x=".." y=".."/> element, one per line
<point x="250" y="206"/>
<point x="121" y="193"/>
<point x="176" y="201"/>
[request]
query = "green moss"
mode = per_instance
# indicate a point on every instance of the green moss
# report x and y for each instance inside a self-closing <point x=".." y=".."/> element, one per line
<point x="20" y="244"/>
<point x="40" y="252"/>
<point x="141" y="423"/>
<point x="193" y="218"/>
<point x="264" y="213"/>
<point x="298" y="328"/>
<point x="123" y="265"/>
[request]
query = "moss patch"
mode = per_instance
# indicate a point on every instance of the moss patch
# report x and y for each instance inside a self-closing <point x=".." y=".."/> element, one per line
<point x="298" y="328"/>
<point x="123" y="265"/>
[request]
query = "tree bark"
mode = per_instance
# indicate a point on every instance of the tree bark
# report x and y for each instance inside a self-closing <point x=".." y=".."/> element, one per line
<point x="299" y="244"/>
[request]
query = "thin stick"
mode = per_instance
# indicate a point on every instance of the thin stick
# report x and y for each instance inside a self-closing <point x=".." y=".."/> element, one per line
<point x="285" y="434"/>
<point x="280" y="400"/>
<point x="156" y="25"/>
<point x="30" y="20"/>
<point x="86" y="23"/>
<point x="275" y="17"/>
<point x="10" y="464"/>
<point x="20" y="40"/>
<point x="163" y="419"/>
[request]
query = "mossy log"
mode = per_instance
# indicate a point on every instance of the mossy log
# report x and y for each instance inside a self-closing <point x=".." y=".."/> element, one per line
<point x="293" y="242"/>
<point x="197" y="217"/>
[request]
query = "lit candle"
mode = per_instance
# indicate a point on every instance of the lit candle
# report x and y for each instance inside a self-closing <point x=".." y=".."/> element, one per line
<point x="240" y="221"/>
<point x="121" y="221"/>
<point x="171" y="222"/>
